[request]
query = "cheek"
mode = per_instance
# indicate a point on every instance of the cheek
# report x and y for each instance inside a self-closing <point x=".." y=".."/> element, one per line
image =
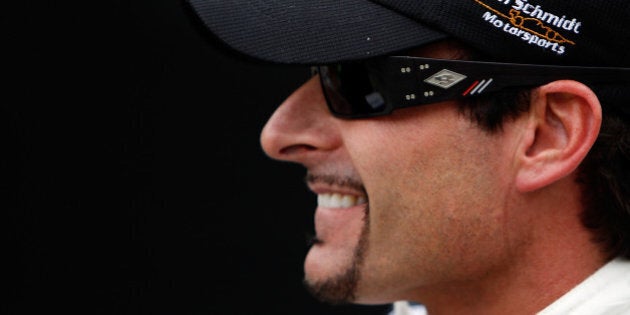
<point x="434" y="202"/>
<point x="431" y="201"/>
<point x="407" y="172"/>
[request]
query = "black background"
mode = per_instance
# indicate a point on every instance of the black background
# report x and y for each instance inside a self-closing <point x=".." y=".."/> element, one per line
<point x="132" y="177"/>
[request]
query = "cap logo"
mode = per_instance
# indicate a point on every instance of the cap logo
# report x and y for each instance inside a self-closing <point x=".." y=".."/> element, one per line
<point x="532" y="24"/>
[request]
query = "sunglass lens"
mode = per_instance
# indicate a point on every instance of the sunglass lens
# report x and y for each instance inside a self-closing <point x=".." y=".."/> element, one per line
<point x="349" y="91"/>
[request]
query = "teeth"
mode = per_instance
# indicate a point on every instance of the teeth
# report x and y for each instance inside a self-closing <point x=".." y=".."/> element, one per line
<point x="339" y="200"/>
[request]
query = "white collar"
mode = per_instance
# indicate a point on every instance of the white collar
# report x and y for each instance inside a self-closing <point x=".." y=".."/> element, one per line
<point x="607" y="291"/>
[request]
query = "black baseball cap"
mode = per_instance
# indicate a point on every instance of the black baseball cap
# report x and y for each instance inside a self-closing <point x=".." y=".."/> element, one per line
<point x="592" y="33"/>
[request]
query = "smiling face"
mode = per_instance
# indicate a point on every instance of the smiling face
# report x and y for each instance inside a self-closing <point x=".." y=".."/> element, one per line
<point x="407" y="203"/>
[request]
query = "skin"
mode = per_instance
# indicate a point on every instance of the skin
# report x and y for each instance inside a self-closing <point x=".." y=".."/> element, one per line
<point x="458" y="219"/>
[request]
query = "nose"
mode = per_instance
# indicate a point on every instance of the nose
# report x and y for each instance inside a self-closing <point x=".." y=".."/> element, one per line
<point x="301" y="126"/>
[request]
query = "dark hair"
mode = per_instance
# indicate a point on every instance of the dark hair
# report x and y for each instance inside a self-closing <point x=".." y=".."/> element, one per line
<point x="491" y="111"/>
<point x="604" y="175"/>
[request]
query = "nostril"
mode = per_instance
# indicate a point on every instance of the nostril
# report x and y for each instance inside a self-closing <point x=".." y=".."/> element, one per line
<point x="297" y="148"/>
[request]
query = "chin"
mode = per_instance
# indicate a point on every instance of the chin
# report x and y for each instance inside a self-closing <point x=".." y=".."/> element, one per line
<point x="329" y="278"/>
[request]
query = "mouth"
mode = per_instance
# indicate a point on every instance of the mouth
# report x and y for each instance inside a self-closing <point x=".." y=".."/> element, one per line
<point x="334" y="192"/>
<point x="339" y="218"/>
<point x="339" y="201"/>
<point x="341" y="209"/>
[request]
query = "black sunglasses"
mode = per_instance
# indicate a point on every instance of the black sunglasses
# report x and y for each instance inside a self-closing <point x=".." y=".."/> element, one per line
<point x="378" y="86"/>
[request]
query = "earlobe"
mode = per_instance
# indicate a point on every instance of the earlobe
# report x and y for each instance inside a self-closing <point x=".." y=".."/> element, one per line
<point x="564" y="121"/>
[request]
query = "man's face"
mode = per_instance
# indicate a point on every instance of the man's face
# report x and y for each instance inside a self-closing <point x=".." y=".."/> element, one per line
<point x="409" y="203"/>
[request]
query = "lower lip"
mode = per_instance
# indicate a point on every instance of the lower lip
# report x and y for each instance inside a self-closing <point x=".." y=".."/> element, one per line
<point x="335" y="223"/>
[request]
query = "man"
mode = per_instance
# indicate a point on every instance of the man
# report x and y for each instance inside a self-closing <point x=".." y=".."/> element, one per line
<point x="468" y="187"/>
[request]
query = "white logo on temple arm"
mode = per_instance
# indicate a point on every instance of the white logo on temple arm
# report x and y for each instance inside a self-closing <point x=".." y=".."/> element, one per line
<point x="445" y="78"/>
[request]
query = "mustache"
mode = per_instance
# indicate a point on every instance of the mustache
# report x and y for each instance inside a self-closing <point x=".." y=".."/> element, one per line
<point x="335" y="180"/>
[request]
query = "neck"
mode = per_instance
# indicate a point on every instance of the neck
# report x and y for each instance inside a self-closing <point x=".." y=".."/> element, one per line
<point x="558" y="254"/>
<point x="525" y="290"/>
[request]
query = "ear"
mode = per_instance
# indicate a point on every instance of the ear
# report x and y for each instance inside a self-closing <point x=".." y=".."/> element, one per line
<point x="564" y="121"/>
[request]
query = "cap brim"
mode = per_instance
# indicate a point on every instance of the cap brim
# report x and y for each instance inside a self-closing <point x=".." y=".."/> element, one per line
<point x="311" y="32"/>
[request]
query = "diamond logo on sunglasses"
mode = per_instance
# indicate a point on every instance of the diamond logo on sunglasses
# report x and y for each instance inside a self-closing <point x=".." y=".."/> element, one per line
<point x="445" y="78"/>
